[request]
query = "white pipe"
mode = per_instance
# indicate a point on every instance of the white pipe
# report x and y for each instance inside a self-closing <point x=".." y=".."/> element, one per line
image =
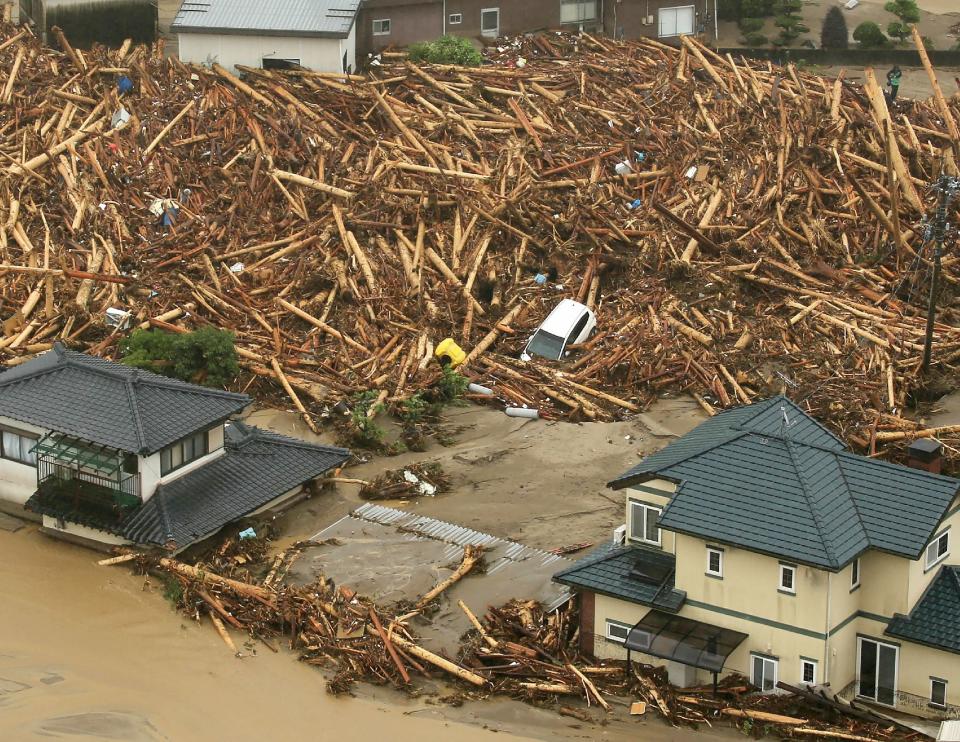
<point x="716" y="25"/>
<point x="444" y="23"/>
<point x="522" y="412"/>
<point x="825" y="680"/>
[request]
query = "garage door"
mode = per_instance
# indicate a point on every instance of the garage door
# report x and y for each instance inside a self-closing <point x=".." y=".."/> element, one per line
<point x="676" y="21"/>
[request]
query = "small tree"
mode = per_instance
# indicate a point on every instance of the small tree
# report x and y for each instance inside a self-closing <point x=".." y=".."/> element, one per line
<point x="446" y="50"/>
<point x="907" y="11"/>
<point x="206" y="356"/>
<point x="751" y="25"/>
<point x="869" y="36"/>
<point x="834" y="33"/>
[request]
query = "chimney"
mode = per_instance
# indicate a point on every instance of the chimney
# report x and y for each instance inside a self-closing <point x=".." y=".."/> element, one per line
<point x="924" y="453"/>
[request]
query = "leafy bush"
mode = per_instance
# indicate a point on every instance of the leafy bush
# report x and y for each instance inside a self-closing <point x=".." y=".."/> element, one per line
<point x="756" y="8"/>
<point x="834" y="33"/>
<point x="898" y="30"/>
<point x="751" y="25"/>
<point x="928" y="43"/>
<point x="755" y="39"/>
<point x="446" y="50"/>
<point x="728" y="10"/>
<point x="869" y="36"/>
<point x="366" y="431"/>
<point x="206" y="356"/>
<point x="451" y="385"/>
<point x="785" y="7"/>
<point x="906" y="10"/>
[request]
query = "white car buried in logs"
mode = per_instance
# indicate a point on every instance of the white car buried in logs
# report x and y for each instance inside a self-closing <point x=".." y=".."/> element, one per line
<point x="570" y="322"/>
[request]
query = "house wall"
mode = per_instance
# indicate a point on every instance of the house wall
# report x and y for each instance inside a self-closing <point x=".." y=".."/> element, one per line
<point x="150" y="465"/>
<point x="627" y="19"/>
<point x="348" y="47"/>
<point x="656" y="492"/>
<point x="78" y="532"/>
<point x="918" y="663"/>
<point x="230" y="50"/>
<point x="18" y="481"/>
<point x="408" y="25"/>
<point x="920" y="575"/>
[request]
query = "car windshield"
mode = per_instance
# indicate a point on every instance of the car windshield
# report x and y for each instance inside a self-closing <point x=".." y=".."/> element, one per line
<point x="546" y="345"/>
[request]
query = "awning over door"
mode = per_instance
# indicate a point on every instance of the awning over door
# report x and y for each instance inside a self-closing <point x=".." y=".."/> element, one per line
<point x="683" y="640"/>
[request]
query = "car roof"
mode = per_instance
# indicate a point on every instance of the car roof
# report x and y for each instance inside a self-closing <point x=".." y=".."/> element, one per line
<point x="563" y="317"/>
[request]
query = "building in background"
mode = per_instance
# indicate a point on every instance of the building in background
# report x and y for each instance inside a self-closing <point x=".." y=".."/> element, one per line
<point x="758" y="544"/>
<point x="398" y="23"/>
<point x="319" y="35"/>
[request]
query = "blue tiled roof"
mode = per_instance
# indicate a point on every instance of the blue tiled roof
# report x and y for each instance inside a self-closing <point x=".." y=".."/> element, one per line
<point x="935" y="619"/>
<point x="110" y="404"/>
<point x="769" y="478"/>
<point x="608" y="569"/>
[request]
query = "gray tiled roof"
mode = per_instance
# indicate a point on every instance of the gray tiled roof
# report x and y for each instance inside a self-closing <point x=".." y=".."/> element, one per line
<point x="258" y="466"/>
<point x="333" y="18"/>
<point x="110" y="404"/>
<point x="935" y="619"/>
<point x="746" y="479"/>
<point x="607" y="570"/>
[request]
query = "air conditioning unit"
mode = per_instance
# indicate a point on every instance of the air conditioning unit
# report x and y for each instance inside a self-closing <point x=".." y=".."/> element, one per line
<point x="620" y="534"/>
<point x="649" y="20"/>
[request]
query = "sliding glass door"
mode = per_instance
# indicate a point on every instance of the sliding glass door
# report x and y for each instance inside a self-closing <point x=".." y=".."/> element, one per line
<point x="877" y="679"/>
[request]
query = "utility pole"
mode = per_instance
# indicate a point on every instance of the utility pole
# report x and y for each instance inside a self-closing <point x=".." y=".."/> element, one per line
<point x="947" y="187"/>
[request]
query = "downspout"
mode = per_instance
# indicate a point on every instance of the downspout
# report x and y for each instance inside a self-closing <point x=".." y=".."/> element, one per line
<point x="716" y="25"/>
<point x="443" y="23"/>
<point x="826" y="639"/>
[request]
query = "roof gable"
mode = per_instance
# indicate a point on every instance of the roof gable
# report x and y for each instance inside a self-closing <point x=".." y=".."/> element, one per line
<point x="110" y="404"/>
<point x="769" y="478"/>
<point x="933" y="620"/>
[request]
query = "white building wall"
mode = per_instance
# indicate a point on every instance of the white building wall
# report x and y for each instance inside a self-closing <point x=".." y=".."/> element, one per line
<point x="90" y="534"/>
<point x="348" y="46"/>
<point x="150" y="465"/>
<point x="230" y="50"/>
<point x="18" y="481"/>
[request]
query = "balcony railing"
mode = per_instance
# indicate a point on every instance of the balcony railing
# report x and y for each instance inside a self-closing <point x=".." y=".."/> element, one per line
<point x="88" y="497"/>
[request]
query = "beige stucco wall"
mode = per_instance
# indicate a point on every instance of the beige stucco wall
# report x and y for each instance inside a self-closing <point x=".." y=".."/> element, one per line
<point x="18" y="481"/>
<point x="920" y="576"/>
<point x="150" y="465"/>
<point x="656" y="492"/>
<point x="230" y="50"/>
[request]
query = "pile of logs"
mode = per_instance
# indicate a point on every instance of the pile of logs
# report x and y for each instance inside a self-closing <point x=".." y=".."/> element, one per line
<point x="739" y="228"/>
<point x="518" y="650"/>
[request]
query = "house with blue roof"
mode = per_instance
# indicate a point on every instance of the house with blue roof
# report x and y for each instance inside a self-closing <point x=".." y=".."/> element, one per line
<point x="759" y="544"/>
<point x="105" y="454"/>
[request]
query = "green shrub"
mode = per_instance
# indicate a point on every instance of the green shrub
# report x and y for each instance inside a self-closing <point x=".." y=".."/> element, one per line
<point x="728" y="10"/>
<point x="898" y="30"/>
<point x="451" y="385"/>
<point x="834" y="33"/>
<point x="928" y="43"/>
<point x="751" y="25"/>
<point x="756" y="8"/>
<point x="205" y="356"/>
<point x="786" y="7"/>
<point x="366" y="431"/>
<point x="446" y="50"/>
<point x="906" y="10"/>
<point x="755" y="39"/>
<point x="869" y="36"/>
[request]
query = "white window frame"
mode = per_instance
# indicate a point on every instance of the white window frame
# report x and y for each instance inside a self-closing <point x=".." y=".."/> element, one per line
<point x="381" y="21"/>
<point x="582" y="5"/>
<point x="458" y="16"/>
<point x="494" y="32"/>
<point x="784" y="568"/>
<point x="610" y="623"/>
<point x="942" y="682"/>
<point x="933" y="545"/>
<point x="855" y="574"/>
<point x="25" y="442"/>
<point x="711" y="550"/>
<point x="773" y="661"/>
<point x="803" y="665"/>
<point x="675" y="8"/>
<point x="646" y="508"/>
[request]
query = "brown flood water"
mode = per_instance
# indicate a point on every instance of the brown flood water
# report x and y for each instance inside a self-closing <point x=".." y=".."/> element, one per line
<point x="87" y="654"/>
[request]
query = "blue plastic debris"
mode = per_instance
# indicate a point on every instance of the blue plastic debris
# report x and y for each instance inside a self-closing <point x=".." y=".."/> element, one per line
<point x="247" y="533"/>
<point x="540" y="279"/>
<point x="639" y="156"/>
<point x="124" y="85"/>
<point x="635" y="204"/>
<point x="170" y="215"/>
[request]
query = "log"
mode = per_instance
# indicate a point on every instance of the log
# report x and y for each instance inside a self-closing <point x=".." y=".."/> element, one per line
<point x="591" y="688"/>
<point x="196" y="573"/>
<point x="763" y="716"/>
<point x="830" y="734"/>
<point x="471" y="556"/>
<point x="311" y="183"/>
<point x="491" y="642"/>
<point x="118" y="559"/>
<point x="222" y="631"/>
<point x="558" y="688"/>
<point x="438" y="661"/>
<point x="384" y="637"/>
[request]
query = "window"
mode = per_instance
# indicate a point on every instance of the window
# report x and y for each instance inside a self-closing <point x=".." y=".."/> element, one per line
<point x="455" y="18"/>
<point x="855" y="574"/>
<point x="877" y="671"/>
<point x="808" y="671"/>
<point x="275" y="63"/>
<point x="578" y="11"/>
<point x="643" y="523"/>
<point x="763" y="673"/>
<point x="490" y="22"/>
<point x="381" y="27"/>
<point x="714" y="562"/>
<point x="788" y="578"/>
<point x="183" y="452"/>
<point x="938" y="548"/>
<point x="18" y="447"/>
<point x="676" y="21"/>
<point x="938" y="692"/>
<point x="617" y="631"/>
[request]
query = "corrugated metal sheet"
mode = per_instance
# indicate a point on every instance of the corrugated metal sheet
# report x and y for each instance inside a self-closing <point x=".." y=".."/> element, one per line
<point x="280" y="17"/>
<point x="502" y="553"/>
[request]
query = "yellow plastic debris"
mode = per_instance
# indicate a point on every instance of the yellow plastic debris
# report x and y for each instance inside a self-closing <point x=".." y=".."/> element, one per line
<point x="449" y="353"/>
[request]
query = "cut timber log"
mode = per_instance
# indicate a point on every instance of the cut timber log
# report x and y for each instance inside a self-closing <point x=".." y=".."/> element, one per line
<point x="196" y="573"/>
<point x="437" y="661"/>
<point x="763" y="716"/>
<point x="471" y="556"/>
